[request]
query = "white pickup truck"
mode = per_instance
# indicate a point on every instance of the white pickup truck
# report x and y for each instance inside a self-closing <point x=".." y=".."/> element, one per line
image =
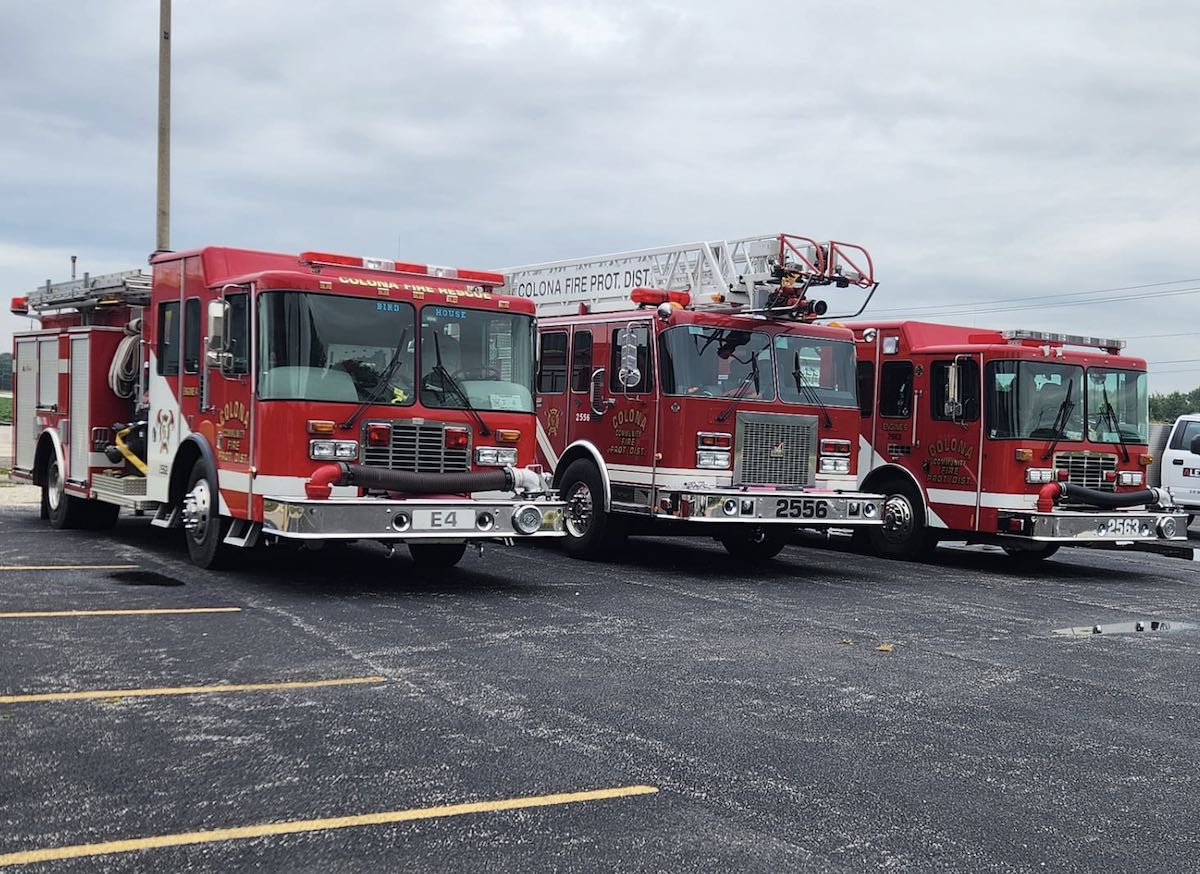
<point x="1180" y="466"/>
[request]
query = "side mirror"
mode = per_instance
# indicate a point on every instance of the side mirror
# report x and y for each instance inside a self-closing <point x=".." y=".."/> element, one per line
<point x="953" y="408"/>
<point x="218" y="319"/>
<point x="1196" y="445"/>
<point x="629" y="375"/>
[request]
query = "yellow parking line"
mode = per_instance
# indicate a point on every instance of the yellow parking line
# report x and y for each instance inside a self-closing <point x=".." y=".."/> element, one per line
<point x="311" y="825"/>
<point x="184" y="690"/>
<point x="68" y="567"/>
<point x="155" y="611"/>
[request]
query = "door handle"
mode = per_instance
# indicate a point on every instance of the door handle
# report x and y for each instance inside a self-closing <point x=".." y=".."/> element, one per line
<point x="1178" y="461"/>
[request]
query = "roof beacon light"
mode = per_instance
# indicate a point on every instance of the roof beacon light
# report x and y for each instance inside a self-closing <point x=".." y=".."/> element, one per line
<point x="19" y="306"/>
<point x="1020" y="336"/>
<point x="655" y="296"/>
<point x="329" y="259"/>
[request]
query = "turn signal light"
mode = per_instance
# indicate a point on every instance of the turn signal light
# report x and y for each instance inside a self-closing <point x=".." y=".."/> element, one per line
<point x="320" y="426"/>
<point x="456" y="438"/>
<point x="713" y="440"/>
<point x="507" y="435"/>
<point x="835" y="447"/>
<point x="1145" y="459"/>
<point x="1024" y="455"/>
<point x="1063" y="474"/>
<point x="1110" y="476"/>
<point x="379" y="435"/>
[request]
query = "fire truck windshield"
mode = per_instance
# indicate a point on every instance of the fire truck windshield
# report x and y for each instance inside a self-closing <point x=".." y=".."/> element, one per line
<point x="1118" y="406"/>
<point x="321" y="347"/>
<point x="716" y="362"/>
<point x="476" y="359"/>
<point x="813" y="370"/>
<point x="1030" y="399"/>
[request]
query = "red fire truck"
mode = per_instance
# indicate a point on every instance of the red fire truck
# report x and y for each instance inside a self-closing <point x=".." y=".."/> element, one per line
<point x="685" y="390"/>
<point x="255" y="396"/>
<point x="1023" y="439"/>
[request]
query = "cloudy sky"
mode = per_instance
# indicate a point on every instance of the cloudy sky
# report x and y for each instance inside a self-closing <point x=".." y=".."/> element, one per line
<point x="1017" y="164"/>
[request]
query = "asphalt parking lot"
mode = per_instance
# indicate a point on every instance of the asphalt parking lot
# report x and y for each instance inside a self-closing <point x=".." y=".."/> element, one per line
<point x="671" y="711"/>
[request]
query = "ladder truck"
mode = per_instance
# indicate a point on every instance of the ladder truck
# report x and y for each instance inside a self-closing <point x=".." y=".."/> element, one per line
<point x="260" y="397"/>
<point x="687" y="390"/>
<point x="1021" y="439"/>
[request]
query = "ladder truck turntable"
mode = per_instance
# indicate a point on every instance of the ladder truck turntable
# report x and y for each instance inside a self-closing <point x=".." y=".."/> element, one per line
<point x="253" y="396"/>
<point x="686" y="390"/>
<point x="1023" y="439"/>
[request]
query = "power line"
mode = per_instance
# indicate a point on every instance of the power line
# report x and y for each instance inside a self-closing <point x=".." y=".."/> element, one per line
<point x="1154" y="336"/>
<point x="1038" y="297"/>
<point x="1073" y="303"/>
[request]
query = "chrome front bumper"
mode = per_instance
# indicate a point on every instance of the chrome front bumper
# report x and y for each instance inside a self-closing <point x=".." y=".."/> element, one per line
<point x="813" y="509"/>
<point x="1068" y="526"/>
<point x="380" y="519"/>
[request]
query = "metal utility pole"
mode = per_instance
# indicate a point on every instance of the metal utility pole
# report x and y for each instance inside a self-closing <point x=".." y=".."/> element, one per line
<point x="163" y="235"/>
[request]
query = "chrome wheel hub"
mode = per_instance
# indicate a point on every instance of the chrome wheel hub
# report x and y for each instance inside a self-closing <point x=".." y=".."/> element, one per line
<point x="197" y="510"/>
<point x="579" y="510"/>
<point x="898" y="518"/>
<point x="54" y="493"/>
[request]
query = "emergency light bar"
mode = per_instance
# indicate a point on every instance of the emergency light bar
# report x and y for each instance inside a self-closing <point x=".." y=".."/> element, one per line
<point x="19" y="306"/>
<point x="654" y="296"/>
<point x="1113" y="346"/>
<point x="329" y="259"/>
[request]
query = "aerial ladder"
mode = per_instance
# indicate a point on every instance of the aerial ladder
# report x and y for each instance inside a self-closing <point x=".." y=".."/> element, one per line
<point x="767" y="274"/>
<point x="129" y="287"/>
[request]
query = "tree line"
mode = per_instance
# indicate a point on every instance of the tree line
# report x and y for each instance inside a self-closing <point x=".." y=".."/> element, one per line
<point x="6" y="374"/>
<point x="1169" y="407"/>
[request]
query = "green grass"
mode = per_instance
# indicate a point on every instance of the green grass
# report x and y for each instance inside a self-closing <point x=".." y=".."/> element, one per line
<point x="5" y="411"/>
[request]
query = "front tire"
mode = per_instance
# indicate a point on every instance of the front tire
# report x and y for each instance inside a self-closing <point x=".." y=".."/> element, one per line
<point x="205" y="528"/>
<point x="756" y="544"/>
<point x="903" y="534"/>
<point x="591" y="530"/>
<point x="436" y="555"/>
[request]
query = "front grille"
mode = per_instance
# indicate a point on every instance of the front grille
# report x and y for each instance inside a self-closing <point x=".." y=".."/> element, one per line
<point x="1087" y="469"/>
<point x="419" y="448"/>
<point x="775" y="449"/>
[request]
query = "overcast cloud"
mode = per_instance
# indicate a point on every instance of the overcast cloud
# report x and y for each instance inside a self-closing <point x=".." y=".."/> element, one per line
<point x="982" y="152"/>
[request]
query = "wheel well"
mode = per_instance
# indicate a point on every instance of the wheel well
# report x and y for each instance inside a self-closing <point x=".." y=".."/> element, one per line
<point x="881" y="480"/>
<point x="583" y="452"/>
<point x="185" y="460"/>
<point x="41" y="459"/>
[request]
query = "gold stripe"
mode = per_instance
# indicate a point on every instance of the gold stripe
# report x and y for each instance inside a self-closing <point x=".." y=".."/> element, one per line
<point x="68" y="567"/>
<point x="184" y="690"/>
<point x="311" y="825"/>
<point x="157" y="611"/>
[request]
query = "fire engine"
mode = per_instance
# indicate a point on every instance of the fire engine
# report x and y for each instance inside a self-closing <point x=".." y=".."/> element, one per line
<point x="686" y="390"/>
<point x="1022" y="439"/>
<point x="252" y="396"/>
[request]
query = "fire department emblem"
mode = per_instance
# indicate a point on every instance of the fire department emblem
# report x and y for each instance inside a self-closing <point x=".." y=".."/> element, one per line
<point x="779" y="449"/>
<point x="164" y="424"/>
<point x="553" y="417"/>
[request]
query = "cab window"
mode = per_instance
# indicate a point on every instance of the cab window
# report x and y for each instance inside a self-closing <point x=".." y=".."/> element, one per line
<point x="641" y="340"/>
<point x="552" y="367"/>
<point x="168" y="338"/>
<point x="866" y="388"/>
<point x="896" y="389"/>
<point x="581" y="362"/>
<point x="968" y="389"/>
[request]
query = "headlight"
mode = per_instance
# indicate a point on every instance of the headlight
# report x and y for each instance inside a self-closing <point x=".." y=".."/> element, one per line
<point x="527" y="519"/>
<point x="834" y="465"/>
<point x="1130" y="477"/>
<point x="712" y="460"/>
<point x="1039" y="475"/>
<point x="495" y="456"/>
<point x="322" y="449"/>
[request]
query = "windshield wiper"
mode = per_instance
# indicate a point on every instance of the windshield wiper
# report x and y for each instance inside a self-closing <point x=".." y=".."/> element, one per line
<point x="449" y="380"/>
<point x="384" y="379"/>
<point x="1060" y="420"/>
<point x="804" y="385"/>
<point x="1111" y="415"/>
<point x="752" y="376"/>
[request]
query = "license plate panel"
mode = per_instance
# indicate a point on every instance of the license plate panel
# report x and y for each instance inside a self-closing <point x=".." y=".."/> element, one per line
<point x="444" y="520"/>
<point x="1121" y="528"/>
<point x="801" y="508"/>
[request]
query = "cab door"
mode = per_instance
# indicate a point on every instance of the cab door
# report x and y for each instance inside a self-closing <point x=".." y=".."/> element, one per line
<point x="951" y="447"/>
<point x="229" y="408"/>
<point x="1181" y="466"/>
<point x="552" y="395"/>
